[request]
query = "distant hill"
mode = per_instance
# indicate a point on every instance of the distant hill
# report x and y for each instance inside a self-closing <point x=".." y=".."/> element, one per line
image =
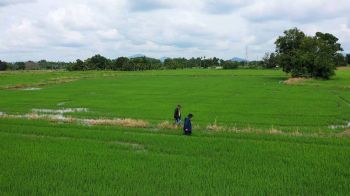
<point x="163" y="59"/>
<point x="237" y="59"/>
<point x="137" y="55"/>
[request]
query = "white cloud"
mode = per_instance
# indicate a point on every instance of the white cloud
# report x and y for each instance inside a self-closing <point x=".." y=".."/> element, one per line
<point x="300" y="11"/>
<point x="67" y="30"/>
<point x="4" y="3"/>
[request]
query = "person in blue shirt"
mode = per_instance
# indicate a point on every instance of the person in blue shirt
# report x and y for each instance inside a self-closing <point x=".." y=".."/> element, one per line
<point x="188" y="125"/>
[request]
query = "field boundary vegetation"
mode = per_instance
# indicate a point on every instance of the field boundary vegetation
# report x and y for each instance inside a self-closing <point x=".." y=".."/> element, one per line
<point x="99" y="62"/>
<point x="58" y="116"/>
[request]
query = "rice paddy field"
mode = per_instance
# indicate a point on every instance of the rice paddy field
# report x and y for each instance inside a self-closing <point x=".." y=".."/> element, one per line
<point x="256" y="132"/>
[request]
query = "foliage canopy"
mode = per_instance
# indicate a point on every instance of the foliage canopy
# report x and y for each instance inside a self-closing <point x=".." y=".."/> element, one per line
<point x="308" y="56"/>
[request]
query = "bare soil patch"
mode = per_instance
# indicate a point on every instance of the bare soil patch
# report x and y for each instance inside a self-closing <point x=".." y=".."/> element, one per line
<point x="293" y="81"/>
<point x="166" y="125"/>
<point x="127" y="122"/>
<point x="344" y="68"/>
<point x="345" y="133"/>
<point x="215" y="127"/>
<point x="40" y="84"/>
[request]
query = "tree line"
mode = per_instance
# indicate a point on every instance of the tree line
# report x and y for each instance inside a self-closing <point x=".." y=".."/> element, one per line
<point x="31" y="65"/>
<point x="99" y="62"/>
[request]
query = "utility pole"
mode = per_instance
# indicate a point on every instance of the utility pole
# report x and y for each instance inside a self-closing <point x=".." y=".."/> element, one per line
<point x="246" y="55"/>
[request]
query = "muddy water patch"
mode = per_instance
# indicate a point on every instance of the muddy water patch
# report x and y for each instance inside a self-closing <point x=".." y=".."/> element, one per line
<point x="60" y="111"/>
<point x="340" y="126"/>
<point x="36" y="116"/>
<point x="30" y="89"/>
<point x="59" y="116"/>
<point x="48" y="114"/>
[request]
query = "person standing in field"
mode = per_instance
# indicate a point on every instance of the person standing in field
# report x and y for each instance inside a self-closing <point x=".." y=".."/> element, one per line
<point x="177" y="115"/>
<point x="188" y="125"/>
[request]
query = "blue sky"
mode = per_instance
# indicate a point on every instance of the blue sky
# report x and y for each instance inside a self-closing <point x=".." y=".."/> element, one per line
<point x="69" y="29"/>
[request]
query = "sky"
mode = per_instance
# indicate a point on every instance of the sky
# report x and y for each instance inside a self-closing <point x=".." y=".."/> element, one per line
<point x="66" y="30"/>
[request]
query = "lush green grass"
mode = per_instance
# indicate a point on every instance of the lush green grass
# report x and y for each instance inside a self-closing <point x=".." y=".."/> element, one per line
<point x="45" y="158"/>
<point x="41" y="158"/>
<point x="239" y="98"/>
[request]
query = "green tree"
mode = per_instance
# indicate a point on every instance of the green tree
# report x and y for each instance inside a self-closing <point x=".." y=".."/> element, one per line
<point x="170" y="63"/>
<point x="3" y="65"/>
<point x="97" y="62"/>
<point x="341" y="60"/>
<point x="326" y="55"/>
<point x="308" y="56"/>
<point x="229" y="64"/>
<point x="287" y="47"/>
<point x="348" y="59"/>
<point x="43" y="64"/>
<point x="194" y="62"/>
<point x="77" y="66"/>
<point x="120" y="63"/>
<point x="270" y="61"/>
<point x="19" y="66"/>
